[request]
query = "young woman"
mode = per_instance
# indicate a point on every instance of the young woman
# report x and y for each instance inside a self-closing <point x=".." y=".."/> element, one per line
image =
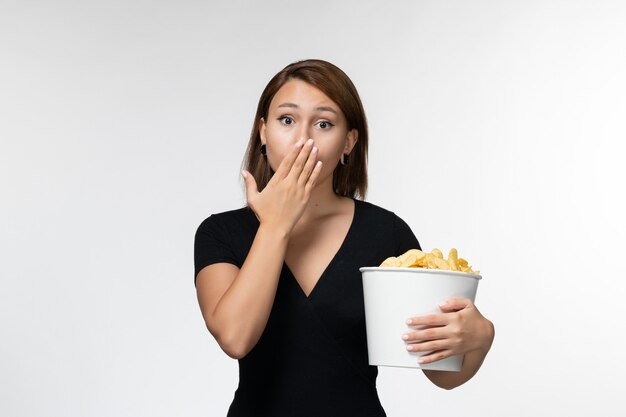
<point x="278" y="280"/>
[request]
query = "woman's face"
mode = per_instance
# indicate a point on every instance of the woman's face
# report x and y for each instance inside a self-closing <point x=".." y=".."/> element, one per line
<point x="299" y="110"/>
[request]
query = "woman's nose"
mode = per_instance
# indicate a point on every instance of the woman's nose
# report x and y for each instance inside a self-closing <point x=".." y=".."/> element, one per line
<point x="304" y="132"/>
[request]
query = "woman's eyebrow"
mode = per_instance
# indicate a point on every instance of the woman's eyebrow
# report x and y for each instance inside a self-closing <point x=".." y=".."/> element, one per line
<point x="326" y="108"/>
<point x="320" y="108"/>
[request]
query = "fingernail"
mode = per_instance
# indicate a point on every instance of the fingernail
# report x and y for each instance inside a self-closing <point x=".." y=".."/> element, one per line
<point x="299" y="143"/>
<point x="314" y="151"/>
<point x="409" y="347"/>
<point x="405" y="336"/>
<point x="309" y="142"/>
<point x="420" y="360"/>
<point x="409" y="321"/>
<point x="443" y="304"/>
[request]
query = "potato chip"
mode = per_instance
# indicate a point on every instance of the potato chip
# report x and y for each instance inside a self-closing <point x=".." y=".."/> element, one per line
<point x="391" y="262"/>
<point x="453" y="259"/>
<point x="411" y="257"/>
<point x="434" y="262"/>
<point x="415" y="258"/>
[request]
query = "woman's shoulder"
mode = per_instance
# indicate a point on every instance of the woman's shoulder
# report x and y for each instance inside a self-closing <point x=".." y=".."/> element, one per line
<point x="384" y="225"/>
<point x="374" y="209"/>
<point x="385" y="218"/>
<point x="230" y="218"/>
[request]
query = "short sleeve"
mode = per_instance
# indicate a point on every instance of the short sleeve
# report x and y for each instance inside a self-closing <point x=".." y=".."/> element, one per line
<point x="212" y="245"/>
<point x="403" y="236"/>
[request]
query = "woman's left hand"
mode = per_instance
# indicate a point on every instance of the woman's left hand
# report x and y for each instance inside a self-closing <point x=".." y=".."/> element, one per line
<point x="458" y="330"/>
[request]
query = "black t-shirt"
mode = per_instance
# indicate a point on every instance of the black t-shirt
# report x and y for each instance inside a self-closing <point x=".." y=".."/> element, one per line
<point x="311" y="359"/>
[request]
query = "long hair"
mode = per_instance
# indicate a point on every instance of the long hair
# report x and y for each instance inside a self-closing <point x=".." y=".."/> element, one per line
<point x="349" y="180"/>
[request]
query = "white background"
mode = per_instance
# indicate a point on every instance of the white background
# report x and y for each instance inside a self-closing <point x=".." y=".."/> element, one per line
<point x="496" y="127"/>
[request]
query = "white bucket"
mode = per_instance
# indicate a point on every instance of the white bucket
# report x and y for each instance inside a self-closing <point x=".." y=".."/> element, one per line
<point x="392" y="295"/>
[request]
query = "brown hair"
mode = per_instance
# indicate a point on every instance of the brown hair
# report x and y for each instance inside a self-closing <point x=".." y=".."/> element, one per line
<point x="349" y="180"/>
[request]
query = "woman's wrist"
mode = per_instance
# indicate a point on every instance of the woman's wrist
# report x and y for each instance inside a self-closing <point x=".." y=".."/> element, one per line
<point x="281" y="232"/>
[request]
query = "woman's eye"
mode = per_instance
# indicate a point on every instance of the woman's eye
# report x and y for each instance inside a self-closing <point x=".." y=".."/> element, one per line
<point x="286" y="120"/>
<point x="325" y="125"/>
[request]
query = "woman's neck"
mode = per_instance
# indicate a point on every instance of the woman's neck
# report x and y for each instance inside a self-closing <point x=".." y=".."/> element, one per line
<point x="323" y="202"/>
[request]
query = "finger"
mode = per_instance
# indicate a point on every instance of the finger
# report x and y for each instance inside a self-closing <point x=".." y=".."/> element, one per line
<point x="287" y="162"/>
<point x="432" y="333"/>
<point x="298" y="165"/>
<point x="428" y="320"/>
<point x="313" y="178"/>
<point x="251" y="187"/>
<point x="308" y="167"/>
<point x="435" y="356"/>
<point x="455" y="304"/>
<point x="431" y="346"/>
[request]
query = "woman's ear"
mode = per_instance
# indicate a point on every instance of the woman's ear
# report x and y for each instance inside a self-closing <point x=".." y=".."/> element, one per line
<point x="351" y="140"/>
<point x="262" y="130"/>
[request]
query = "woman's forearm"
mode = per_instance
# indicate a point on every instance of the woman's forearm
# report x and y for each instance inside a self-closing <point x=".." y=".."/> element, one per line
<point x="242" y="313"/>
